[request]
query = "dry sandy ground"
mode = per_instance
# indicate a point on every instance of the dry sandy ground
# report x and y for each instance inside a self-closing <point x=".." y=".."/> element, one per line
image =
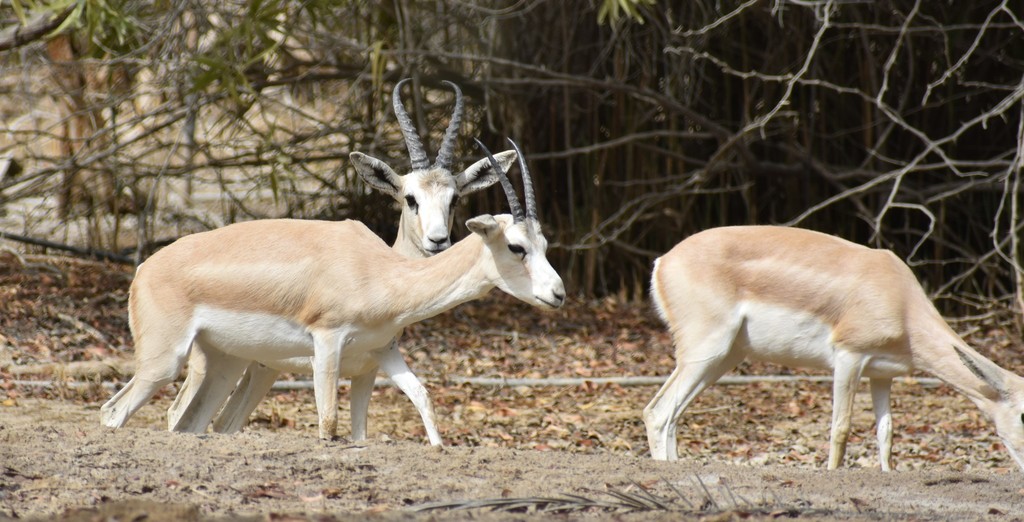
<point x="57" y="462"/>
<point x="751" y="451"/>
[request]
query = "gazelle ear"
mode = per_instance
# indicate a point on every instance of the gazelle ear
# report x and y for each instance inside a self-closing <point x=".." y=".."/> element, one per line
<point x="983" y="369"/>
<point x="484" y="225"/>
<point x="481" y="174"/>
<point x="376" y="173"/>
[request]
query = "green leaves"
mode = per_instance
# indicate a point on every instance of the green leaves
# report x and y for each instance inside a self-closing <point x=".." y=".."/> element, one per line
<point x="73" y="21"/>
<point x="240" y="47"/>
<point x="612" y="10"/>
<point x="111" y="27"/>
<point x="19" y="10"/>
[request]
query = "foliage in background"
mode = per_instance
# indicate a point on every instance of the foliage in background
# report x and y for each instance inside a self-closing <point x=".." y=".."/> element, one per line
<point x="895" y="124"/>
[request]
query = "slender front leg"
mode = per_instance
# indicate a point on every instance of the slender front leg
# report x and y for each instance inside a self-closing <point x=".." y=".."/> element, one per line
<point x="880" y="390"/>
<point x="359" y="401"/>
<point x="327" y="348"/>
<point x="845" y="379"/>
<point x="394" y="366"/>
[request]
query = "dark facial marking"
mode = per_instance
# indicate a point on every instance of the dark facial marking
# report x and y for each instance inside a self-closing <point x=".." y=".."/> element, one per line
<point x="411" y="201"/>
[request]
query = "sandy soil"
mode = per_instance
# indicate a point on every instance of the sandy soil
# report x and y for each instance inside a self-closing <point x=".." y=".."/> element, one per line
<point x="57" y="462"/>
<point x="746" y="451"/>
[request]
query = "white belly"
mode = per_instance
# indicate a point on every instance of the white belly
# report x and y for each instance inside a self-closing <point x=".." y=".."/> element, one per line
<point x="278" y="342"/>
<point x="352" y="364"/>
<point x="251" y="336"/>
<point x="785" y="336"/>
<point x="794" y="338"/>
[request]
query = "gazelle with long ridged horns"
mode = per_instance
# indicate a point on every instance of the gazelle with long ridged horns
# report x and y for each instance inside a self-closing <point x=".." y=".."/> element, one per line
<point x="427" y="196"/>
<point x="807" y="299"/>
<point x="277" y="289"/>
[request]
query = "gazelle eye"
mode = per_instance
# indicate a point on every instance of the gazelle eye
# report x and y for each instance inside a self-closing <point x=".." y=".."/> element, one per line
<point x="411" y="201"/>
<point x="455" y="199"/>
<point x="517" y="250"/>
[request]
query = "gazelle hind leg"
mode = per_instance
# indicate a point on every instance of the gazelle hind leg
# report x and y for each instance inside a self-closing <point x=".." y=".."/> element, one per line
<point x="115" y="412"/>
<point x="846" y="377"/>
<point x="880" y="391"/>
<point x="217" y="383"/>
<point x="359" y="402"/>
<point x="254" y="386"/>
<point x="703" y="366"/>
<point x="153" y="372"/>
<point x="393" y="364"/>
<point x="186" y="394"/>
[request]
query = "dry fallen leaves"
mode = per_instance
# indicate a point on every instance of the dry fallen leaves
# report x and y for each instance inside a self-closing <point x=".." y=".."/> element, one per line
<point x="51" y="318"/>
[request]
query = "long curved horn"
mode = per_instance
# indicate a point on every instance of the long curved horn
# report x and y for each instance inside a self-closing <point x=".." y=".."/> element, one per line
<point x="528" y="195"/>
<point x="446" y="152"/>
<point x="417" y="155"/>
<point x="510" y="191"/>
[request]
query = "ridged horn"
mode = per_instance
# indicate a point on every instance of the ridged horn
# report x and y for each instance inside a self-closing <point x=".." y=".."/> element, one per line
<point x="528" y="194"/>
<point x="510" y="191"/>
<point x="446" y="153"/>
<point x="417" y="155"/>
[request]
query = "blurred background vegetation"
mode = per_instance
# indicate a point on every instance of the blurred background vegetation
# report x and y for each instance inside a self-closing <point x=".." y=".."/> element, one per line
<point x="898" y="124"/>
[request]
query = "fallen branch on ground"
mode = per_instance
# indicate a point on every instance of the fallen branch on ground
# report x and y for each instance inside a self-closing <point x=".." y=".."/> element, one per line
<point x="473" y="381"/>
<point x="78" y="251"/>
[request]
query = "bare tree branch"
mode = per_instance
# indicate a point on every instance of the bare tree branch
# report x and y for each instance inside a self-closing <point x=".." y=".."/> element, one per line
<point x="34" y="29"/>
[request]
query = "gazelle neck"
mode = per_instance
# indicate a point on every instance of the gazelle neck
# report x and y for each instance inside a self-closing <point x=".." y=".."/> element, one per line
<point x="429" y="286"/>
<point x="404" y="245"/>
<point x="937" y="349"/>
<point x="952" y="361"/>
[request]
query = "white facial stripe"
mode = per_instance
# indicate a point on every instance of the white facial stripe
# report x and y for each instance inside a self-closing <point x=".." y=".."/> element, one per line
<point x="436" y="216"/>
<point x="431" y="221"/>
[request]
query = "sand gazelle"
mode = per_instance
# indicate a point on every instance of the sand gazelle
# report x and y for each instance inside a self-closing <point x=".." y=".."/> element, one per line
<point x="427" y="196"/>
<point x="807" y="299"/>
<point x="276" y="289"/>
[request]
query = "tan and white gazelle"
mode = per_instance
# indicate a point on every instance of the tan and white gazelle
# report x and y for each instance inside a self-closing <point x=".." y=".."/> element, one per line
<point x="427" y="196"/>
<point x="277" y="289"/>
<point x="807" y="299"/>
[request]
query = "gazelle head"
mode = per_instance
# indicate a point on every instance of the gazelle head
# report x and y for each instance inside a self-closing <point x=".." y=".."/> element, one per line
<point x="517" y="244"/>
<point x="428" y="193"/>
<point x="1007" y="413"/>
<point x="1009" y="420"/>
<point x="1002" y="399"/>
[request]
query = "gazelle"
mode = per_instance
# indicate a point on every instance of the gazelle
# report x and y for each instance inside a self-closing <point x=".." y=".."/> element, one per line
<point x="807" y="299"/>
<point x="277" y="289"/>
<point x="427" y="196"/>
